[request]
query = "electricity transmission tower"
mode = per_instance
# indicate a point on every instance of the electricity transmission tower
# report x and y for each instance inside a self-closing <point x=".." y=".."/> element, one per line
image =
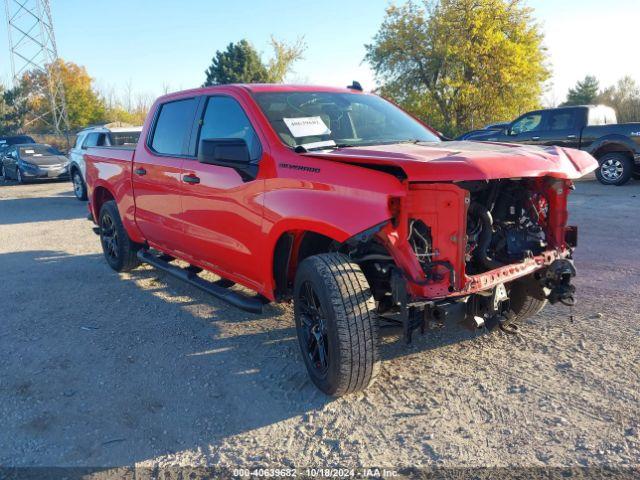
<point x="32" y="46"/>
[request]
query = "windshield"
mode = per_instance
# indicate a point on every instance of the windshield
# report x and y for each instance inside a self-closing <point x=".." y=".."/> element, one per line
<point x="38" y="151"/>
<point x="323" y="119"/>
<point x="119" y="139"/>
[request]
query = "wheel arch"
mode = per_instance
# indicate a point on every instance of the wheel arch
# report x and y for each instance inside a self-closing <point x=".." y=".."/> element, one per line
<point x="294" y="245"/>
<point x="612" y="144"/>
<point x="291" y="247"/>
<point x="99" y="197"/>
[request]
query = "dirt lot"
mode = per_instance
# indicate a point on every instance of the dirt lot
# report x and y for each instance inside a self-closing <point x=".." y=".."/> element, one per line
<point x="104" y="369"/>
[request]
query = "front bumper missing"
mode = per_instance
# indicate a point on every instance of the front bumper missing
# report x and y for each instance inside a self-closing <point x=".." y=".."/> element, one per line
<point x="483" y="300"/>
<point x="492" y="278"/>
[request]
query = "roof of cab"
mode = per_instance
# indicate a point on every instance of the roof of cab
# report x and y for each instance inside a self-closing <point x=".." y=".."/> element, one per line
<point x="256" y="88"/>
<point x="274" y="87"/>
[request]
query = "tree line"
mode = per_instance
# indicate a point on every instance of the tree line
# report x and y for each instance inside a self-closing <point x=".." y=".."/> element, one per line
<point x="456" y="64"/>
<point x="25" y="106"/>
<point x="624" y="96"/>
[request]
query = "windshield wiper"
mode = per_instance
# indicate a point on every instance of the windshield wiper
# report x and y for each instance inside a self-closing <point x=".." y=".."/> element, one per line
<point x="303" y="149"/>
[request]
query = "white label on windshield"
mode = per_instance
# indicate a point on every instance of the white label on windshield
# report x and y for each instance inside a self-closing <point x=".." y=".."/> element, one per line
<point x="306" y="126"/>
<point x="29" y="151"/>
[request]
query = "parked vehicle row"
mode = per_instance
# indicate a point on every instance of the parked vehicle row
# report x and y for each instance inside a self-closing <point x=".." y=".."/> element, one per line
<point x="6" y="142"/>
<point x="593" y="129"/>
<point x="33" y="161"/>
<point x="344" y="204"/>
<point x="23" y="159"/>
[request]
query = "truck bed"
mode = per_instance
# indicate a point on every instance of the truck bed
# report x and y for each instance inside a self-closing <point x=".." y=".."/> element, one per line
<point x="109" y="170"/>
<point x="123" y="154"/>
<point x="614" y="128"/>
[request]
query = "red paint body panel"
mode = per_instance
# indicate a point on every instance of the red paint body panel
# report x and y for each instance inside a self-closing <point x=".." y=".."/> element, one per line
<point x="462" y="161"/>
<point x="231" y="226"/>
<point x="110" y="169"/>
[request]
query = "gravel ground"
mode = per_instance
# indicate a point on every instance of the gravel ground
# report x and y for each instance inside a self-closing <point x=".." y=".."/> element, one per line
<point x="102" y="369"/>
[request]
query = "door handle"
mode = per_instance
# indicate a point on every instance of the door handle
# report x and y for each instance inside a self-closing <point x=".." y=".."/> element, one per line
<point x="191" y="178"/>
<point x="140" y="171"/>
<point x="571" y="137"/>
<point x="535" y="138"/>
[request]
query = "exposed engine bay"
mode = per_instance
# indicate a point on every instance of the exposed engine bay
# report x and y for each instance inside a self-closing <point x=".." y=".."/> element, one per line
<point x="482" y="266"/>
<point x="505" y="223"/>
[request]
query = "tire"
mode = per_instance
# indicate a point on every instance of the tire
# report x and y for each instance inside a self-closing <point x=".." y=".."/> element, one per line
<point x="19" y="178"/>
<point x="79" y="187"/>
<point x="335" y="314"/>
<point x="3" y="175"/>
<point x="119" y="251"/>
<point x="526" y="298"/>
<point x="615" y="169"/>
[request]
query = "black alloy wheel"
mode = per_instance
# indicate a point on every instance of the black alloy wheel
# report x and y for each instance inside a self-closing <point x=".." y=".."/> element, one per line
<point x="109" y="237"/>
<point x="314" y="329"/>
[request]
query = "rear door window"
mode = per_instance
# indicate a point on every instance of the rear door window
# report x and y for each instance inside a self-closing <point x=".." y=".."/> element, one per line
<point x="561" y="120"/>
<point x="91" y="140"/>
<point x="173" y="127"/>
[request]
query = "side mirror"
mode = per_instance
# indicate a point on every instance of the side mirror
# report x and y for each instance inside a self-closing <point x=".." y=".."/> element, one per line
<point x="228" y="152"/>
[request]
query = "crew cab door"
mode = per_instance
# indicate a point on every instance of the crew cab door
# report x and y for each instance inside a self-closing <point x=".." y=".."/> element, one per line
<point x="157" y="173"/>
<point x="561" y="128"/>
<point x="222" y="208"/>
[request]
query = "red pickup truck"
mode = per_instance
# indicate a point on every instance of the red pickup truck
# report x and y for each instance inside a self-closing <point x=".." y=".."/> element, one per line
<point x="341" y="202"/>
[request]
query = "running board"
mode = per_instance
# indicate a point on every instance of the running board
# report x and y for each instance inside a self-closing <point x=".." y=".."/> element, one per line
<point x="248" y="304"/>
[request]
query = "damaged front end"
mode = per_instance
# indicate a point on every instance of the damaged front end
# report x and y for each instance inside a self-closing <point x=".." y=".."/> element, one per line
<point x="471" y="252"/>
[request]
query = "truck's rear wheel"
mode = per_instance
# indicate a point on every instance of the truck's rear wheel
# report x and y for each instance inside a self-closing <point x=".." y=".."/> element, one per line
<point x="526" y="298"/>
<point x="119" y="251"/>
<point x="336" y="324"/>
<point x="615" y="169"/>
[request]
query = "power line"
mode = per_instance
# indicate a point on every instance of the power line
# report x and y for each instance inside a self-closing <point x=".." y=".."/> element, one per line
<point x="32" y="47"/>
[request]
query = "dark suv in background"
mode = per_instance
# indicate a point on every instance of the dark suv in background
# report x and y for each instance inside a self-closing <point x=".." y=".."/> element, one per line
<point x="592" y="128"/>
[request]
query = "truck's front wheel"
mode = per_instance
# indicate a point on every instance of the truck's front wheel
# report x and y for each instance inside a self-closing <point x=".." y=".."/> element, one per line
<point x="526" y="298"/>
<point x="336" y="324"/>
<point x="119" y="251"/>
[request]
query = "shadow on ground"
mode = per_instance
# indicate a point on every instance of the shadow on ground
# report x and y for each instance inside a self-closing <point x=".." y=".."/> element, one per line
<point x="141" y="366"/>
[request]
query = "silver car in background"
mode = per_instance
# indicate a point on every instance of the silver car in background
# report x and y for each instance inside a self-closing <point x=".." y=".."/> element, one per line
<point x="33" y="161"/>
<point x="110" y="135"/>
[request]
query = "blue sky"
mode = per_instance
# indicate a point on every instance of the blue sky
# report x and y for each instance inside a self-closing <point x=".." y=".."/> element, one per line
<point x="153" y="45"/>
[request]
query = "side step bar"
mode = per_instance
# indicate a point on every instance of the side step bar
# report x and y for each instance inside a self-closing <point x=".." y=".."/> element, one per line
<point x="248" y="304"/>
